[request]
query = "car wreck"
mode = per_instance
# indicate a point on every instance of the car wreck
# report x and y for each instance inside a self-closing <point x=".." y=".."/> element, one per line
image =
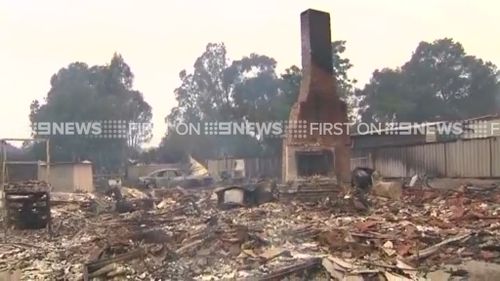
<point x="194" y="176"/>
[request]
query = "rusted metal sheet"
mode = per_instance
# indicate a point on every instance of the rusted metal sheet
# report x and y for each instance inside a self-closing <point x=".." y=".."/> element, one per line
<point x="468" y="158"/>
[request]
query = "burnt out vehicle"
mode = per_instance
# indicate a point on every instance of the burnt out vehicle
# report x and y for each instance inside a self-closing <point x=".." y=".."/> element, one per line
<point x="174" y="177"/>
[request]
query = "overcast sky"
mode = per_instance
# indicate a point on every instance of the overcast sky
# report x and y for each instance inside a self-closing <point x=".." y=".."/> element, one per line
<point x="160" y="38"/>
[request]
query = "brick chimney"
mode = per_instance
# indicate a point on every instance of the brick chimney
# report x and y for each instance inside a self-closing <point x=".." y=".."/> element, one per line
<point x="313" y="147"/>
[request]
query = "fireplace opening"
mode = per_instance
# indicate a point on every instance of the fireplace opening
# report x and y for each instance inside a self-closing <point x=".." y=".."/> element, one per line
<point x="311" y="163"/>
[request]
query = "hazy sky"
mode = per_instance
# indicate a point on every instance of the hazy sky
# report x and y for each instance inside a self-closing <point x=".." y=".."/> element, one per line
<point x="160" y="38"/>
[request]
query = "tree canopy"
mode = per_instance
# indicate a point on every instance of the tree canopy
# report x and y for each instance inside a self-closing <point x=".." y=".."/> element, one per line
<point x="80" y="93"/>
<point x="248" y="89"/>
<point x="222" y="90"/>
<point x="219" y="90"/>
<point x="439" y="82"/>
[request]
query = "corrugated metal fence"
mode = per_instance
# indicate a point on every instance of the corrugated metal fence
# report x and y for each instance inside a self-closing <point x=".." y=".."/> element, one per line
<point x="254" y="167"/>
<point x="475" y="158"/>
<point x="468" y="158"/>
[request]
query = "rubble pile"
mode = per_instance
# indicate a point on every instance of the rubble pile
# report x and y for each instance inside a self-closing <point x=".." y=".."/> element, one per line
<point x="185" y="236"/>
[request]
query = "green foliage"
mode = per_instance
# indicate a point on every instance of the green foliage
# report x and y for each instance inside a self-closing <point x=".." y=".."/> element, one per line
<point x="242" y="90"/>
<point x="80" y="93"/>
<point x="439" y="82"/>
<point x="220" y="90"/>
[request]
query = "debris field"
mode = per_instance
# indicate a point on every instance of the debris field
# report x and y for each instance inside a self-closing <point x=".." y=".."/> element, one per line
<point x="186" y="236"/>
